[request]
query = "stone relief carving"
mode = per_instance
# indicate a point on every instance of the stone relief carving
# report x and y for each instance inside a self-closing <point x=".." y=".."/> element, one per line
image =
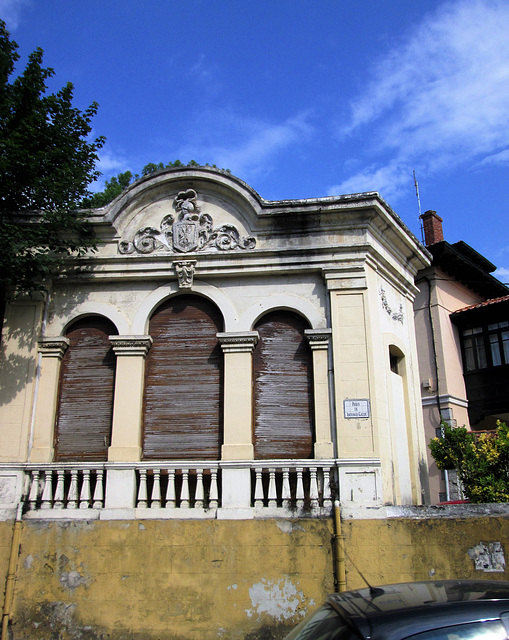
<point x="191" y="231"/>
<point x="398" y="316"/>
<point x="185" y="273"/>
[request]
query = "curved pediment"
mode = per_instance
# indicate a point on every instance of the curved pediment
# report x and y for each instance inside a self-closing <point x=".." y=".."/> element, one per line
<point x="185" y="210"/>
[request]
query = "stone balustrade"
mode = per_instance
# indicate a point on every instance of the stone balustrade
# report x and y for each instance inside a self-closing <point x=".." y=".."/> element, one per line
<point x="187" y="489"/>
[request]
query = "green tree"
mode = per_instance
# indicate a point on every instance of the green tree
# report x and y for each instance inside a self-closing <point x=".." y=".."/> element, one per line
<point x="113" y="188"/>
<point x="481" y="460"/>
<point x="117" y="184"/>
<point x="47" y="162"/>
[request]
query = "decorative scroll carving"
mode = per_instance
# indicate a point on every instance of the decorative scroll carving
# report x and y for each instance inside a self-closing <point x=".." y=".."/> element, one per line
<point x="185" y="273"/>
<point x="398" y="316"/>
<point x="191" y="231"/>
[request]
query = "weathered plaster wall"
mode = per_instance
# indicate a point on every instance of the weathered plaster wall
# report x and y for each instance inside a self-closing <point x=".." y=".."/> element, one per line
<point x="169" y="579"/>
<point x="148" y="580"/>
<point x="402" y="550"/>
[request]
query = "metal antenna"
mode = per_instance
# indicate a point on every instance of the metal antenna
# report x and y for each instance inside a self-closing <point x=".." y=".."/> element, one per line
<point x="416" y="185"/>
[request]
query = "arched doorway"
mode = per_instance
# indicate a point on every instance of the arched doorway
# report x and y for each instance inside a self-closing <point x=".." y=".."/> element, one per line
<point x="183" y="400"/>
<point x="87" y="379"/>
<point x="283" y="421"/>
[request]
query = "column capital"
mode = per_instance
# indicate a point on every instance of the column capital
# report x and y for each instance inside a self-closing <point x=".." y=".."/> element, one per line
<point x="318" y="338"/>
<point x="53" y="347"/>
<point x="131" y="345"/>
<point x="347" y="277"/>
<point x="238" y="341"/>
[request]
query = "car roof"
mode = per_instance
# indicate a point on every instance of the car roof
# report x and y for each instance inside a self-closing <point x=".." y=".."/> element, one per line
<point x="399" y="610"/>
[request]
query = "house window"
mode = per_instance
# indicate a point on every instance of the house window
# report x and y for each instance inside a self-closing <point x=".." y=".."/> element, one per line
<point x="283" y="424"/>
<point x="85" y="405"/>
<point x="486" y="346"/>
<point x="499" y="342"/>
<point x="183" y="400"/>
<point x="474" y="349"/>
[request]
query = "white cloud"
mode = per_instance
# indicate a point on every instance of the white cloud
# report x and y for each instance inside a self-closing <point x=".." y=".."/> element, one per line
<point x="502" y="274"/>
<point x="244" y="145"/>
<point x="440" y="98"/>
<point x="110" y="163"/>
<point x="10" y="11"/>
<point x="502" y="157"/>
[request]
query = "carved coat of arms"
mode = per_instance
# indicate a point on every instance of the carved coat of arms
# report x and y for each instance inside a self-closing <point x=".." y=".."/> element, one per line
<point x="191" y="231"/>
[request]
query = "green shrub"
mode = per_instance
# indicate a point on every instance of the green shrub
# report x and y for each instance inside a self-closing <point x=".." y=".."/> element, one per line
<point x="482" y="461"/>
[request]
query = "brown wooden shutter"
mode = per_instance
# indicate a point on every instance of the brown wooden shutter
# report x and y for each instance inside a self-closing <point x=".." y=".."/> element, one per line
<point x="184" y="382"/>
<point x="87" y="378"/>
<point x="283" y="388"/>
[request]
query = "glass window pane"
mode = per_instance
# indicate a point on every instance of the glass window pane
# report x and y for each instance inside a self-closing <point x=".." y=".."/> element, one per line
<point x="485" y="630"/>
<point x="469" y="355"/>
<point x="495" y="350"/>
<point x="481" y="353"/>
<point x="505" y="346"/>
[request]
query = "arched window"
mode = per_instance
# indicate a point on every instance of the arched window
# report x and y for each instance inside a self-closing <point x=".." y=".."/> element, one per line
<point x="283" y="425"/>
<point x="87" y="379"/>
<point x="183" y="414"/>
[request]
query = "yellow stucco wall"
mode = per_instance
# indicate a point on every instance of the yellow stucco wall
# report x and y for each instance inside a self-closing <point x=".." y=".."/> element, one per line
<point x="148" y="580"/>
<point x="401" y="550"/>
<point x="169" y="579"/>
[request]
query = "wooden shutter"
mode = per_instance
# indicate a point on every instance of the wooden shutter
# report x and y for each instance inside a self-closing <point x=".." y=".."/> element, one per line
<point x="184" y="382"/>
<point x="283" y="388"/>
<point x="87" y="378"/>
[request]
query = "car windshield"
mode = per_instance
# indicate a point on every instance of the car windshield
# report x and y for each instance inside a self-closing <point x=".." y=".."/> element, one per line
<point x="324" y="624"/>
<point x="485" y="630"/>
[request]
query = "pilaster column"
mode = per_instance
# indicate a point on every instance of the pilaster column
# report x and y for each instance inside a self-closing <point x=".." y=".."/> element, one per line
<point x="319" y="340"/>
<point x="238" y="394"/>
<point x="51" y="351"/>
<point x="128" y="401"/>
<point x="347" y="286"/>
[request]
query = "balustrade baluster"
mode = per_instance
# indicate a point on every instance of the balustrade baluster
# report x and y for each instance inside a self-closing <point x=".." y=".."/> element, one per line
<point x="47" y="493"/>
<point x="99" y="490"/>
<point x="286" y="494"/>
<point x="313" y="488"/>
<point x="85" y="490"/>
<point x="72" y="496"/>
<point x="272" y="488"/>
<point x="184" y="494"/>
<point x="198" y="498"/>
<point x="170" y="490"/>
<point x="142" y="490"/>
<point x="327" y="497"/>
<point x="258" y="492"/>
<point x="214" y="493"/>
<point x="300" y="488"/>
<point x="34" y="489"/>
<point x="156" y="490"/>
<point x="59" y="491"/>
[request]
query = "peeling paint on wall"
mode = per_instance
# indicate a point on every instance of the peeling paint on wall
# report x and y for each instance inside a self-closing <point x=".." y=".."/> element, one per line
<point x="281" y="600"/>
<point x="488" y="557"/>
<point x="288" y="527"/>
<point x="73" y="579"/>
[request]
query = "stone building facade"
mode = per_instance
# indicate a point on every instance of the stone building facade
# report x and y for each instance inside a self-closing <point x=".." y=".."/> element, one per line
<point x="220" y="355"/>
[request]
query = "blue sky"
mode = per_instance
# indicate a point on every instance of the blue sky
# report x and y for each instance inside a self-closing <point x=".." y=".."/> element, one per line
<point x="300" y="98"/>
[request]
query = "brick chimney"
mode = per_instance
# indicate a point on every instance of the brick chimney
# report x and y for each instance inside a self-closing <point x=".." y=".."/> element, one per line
<point x="432" y="227"/>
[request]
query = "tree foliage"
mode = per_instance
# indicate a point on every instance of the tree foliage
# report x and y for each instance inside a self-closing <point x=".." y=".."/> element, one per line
<point x="117" y="184"/>
<point x="481" y="460"/>
<point x="47" y="162"/>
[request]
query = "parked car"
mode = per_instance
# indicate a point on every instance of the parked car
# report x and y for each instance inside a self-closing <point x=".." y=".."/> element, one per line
<point x="438" y="610"/>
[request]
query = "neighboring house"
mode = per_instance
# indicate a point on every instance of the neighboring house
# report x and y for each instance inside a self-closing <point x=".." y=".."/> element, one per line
<point x="462" y="325"/>
<point x="221" y="354"/>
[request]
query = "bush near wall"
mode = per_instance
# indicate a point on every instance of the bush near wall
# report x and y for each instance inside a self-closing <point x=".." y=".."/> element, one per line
<point x="481" y="460"/>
